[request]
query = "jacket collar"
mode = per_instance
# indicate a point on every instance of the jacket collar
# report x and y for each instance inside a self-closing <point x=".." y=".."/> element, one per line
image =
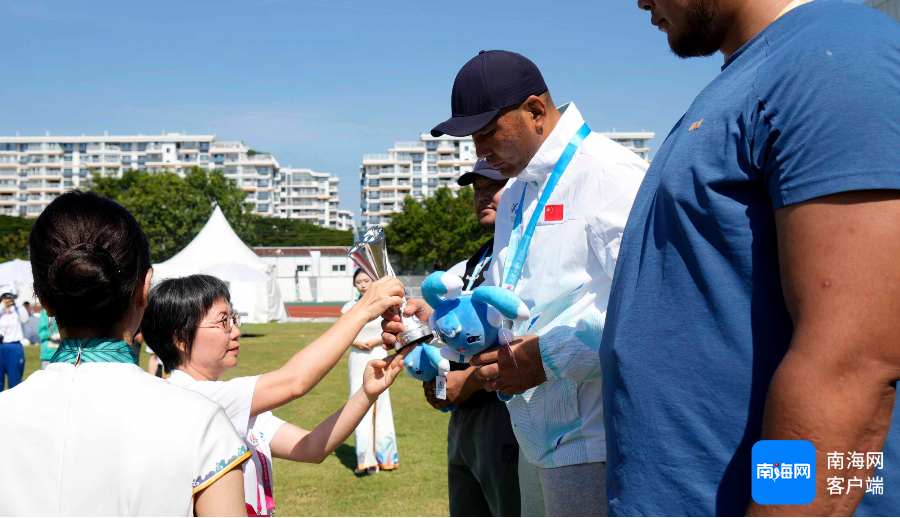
<point x="545" y="160"/>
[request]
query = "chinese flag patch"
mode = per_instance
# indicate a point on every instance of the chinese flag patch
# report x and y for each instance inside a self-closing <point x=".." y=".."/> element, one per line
<point x="553" y="213"/>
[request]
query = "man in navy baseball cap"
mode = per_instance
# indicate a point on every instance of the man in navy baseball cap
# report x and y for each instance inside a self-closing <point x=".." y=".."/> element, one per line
<point x="558" y="227"/>
<point x="501" y="100"/>
<point x="489" y="82"/>
<point x="482" y="168"/>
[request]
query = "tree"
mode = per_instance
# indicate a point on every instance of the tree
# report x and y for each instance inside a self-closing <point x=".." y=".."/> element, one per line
<point x="172" y="210"/>
<point x="287" y="232"/>
<point x="14" y="237"/>
<point x="437" y="233"/>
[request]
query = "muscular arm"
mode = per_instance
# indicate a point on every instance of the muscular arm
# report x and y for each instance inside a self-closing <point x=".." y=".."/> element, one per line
<point x="837" y="383"/>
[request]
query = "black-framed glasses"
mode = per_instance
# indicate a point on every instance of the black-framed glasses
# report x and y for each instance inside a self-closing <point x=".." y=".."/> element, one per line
<point x="226" y="322"/>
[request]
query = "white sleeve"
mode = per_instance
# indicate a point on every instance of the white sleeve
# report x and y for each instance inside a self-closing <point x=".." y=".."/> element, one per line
<point x="23" y="314"/>
<point x="347" y="306"/>
<point x="219" y="450"/>
<point x="572" y="351"/>
<point x="607" y="221"/>
<point x="235" y="396"/>
<point x="267" y="425"/>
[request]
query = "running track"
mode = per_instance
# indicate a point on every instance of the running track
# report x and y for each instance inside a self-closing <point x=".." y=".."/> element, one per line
<point x="314" y="311"/>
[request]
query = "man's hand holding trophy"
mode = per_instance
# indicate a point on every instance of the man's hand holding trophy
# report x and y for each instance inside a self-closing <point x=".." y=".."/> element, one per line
<point x="370" y="253"/>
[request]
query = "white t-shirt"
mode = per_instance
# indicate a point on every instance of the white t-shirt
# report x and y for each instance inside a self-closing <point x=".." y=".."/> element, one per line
<point x="106" y="439"/>
<point x="11" y="323"/>
<point x="236" y="397"/>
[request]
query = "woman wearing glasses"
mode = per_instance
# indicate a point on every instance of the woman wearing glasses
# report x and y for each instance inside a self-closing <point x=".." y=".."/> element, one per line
<point x="190" y="325"/>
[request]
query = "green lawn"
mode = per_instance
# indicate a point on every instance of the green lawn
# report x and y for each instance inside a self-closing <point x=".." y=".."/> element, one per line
<point x="418" y="487"/>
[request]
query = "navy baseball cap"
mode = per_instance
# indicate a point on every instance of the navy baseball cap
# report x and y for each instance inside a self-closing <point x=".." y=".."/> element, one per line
<point x="482" y="168"/>
<point x="489" y="82"/>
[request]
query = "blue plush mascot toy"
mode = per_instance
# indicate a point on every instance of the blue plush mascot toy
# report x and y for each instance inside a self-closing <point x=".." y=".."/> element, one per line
<point x="470" y="322"/>
<point x="425" y="363"/>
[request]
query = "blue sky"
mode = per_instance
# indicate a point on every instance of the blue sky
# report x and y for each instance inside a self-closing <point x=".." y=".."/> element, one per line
<point x="320" y="83"/>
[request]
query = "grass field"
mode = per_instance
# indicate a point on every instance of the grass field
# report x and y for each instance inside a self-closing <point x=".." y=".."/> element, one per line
<point x="418" y="487"/>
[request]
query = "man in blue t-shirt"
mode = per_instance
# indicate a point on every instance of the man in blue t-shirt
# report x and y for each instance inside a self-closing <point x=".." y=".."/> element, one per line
<point x="757" y="289"/>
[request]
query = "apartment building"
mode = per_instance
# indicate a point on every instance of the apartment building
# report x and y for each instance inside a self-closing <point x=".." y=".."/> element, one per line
<point x="34" y="170"/>
<point x="418" y="168"/>
<point x="346" y="221"/>
<point x="306" y="195"/>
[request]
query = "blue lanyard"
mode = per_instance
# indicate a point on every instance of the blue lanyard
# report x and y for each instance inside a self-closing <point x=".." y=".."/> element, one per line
<point x="517" y="251"/>
<point x="478" y="268"/>
<point x="91" y="350"/>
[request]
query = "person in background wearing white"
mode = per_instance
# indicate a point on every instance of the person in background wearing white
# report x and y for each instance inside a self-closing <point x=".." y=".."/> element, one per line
<point x="92" y="434"/>
<point x="191" y="326"/>
<point x="375" y="440"/>
<point x="12" y="355"/>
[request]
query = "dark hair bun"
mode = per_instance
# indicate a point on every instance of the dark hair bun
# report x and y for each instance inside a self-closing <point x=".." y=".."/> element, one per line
<point x="86" y="278"/>
<point x="89" y="257"/>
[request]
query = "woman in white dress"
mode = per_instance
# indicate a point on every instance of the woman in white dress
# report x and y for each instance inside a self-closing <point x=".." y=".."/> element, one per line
<point x="376" y="443"/>
<point x="93" y="434"/>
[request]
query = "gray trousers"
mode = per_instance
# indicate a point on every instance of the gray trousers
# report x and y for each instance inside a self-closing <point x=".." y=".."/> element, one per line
<point x="578" y="490"/>
<point x="482" y="462"/>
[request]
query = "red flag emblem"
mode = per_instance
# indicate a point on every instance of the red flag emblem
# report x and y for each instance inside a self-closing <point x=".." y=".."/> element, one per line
<point x="553" y="213"/>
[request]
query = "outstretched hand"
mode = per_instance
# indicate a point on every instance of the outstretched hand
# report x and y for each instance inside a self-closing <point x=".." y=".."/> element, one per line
<point x="380" y="374"/>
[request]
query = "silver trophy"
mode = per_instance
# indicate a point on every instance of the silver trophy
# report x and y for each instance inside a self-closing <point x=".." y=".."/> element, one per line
<point x="370" y="253"/>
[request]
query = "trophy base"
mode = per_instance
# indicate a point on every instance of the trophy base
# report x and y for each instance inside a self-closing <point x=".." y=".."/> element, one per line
<point x="416" y="335"/>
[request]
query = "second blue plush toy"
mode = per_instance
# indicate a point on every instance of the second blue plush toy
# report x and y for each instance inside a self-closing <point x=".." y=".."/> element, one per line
<point x="425" y="363"/>
<point x="470" y="322"/>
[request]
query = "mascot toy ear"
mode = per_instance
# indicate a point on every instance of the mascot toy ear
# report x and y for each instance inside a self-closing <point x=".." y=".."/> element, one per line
<point x="506" y="302"/>
<point x="441" y="286"/>
<point x="440" y="363"/>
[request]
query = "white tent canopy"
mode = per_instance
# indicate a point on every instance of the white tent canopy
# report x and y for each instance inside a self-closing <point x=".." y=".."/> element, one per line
<point x="235" y="272"/>
<point x="212" y="252"/>
<point x="17" y="274"/>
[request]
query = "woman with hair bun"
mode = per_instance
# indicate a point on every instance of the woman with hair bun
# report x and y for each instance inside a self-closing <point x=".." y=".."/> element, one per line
<point x="93" y="434"/>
